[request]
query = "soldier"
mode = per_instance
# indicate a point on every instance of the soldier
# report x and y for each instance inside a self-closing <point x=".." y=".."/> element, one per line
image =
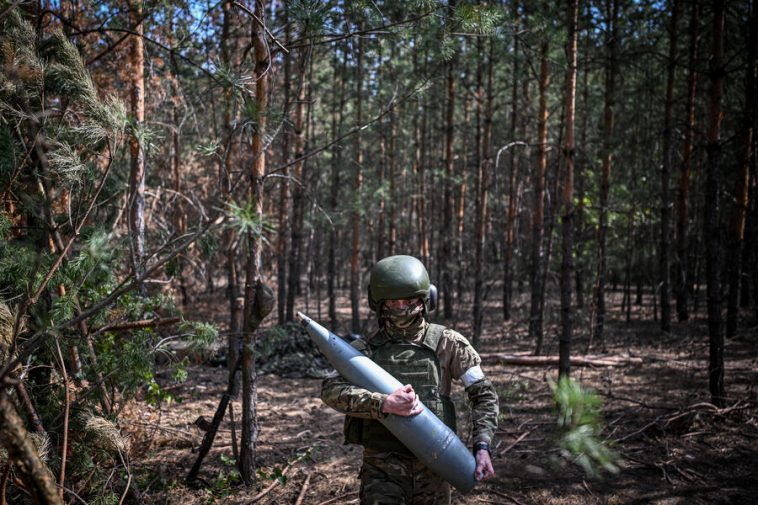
<point x="426" y="358"/>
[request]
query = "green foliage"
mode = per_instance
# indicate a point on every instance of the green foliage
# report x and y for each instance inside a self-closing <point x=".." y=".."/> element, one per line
<point x="19" y="44"/>
<point x="96" y="444"/>
<point x="155" y="395"/>
<point x="481" y="19"/>
<point x="5" y="225"/>
<point x="199" y="334"/>
<point x="236" y="84"/>
<point x="447" y="48"/>
<point x="244" y="220"/>
<point x="9" y="150"/>
<point x="180" y="373"/>
<point x="580" y="421"/>
<point x="310" y="15"/>
<point x="130" y="358"/>
<point x="224" y="483"/>
<point x="63" y="307"/>
<point x="20" y="266"/>
<point x="426" y="4"/>
<point x="146" y="136"/>
<point x="80" y="133"/>
<point x="107" y="498"/>
<point x="136" y="306"/>
<point x="208" y="245"/>
<point x="67" y="163"/>
<point x="212" y="148"/>
<point x="276" y="473"/>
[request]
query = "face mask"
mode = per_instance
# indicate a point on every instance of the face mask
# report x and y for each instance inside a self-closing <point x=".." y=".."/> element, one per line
<point x="405" y="321"/>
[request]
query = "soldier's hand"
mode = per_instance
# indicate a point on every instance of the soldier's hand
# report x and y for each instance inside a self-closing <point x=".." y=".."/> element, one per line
<point x="402" y="402"/>
<point x="483" y="465"/>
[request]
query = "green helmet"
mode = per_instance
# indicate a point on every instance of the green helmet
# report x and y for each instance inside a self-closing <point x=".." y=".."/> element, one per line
<point x="400" y="277"/>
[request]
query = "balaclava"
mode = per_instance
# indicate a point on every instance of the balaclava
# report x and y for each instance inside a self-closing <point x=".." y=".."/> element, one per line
<point x="406" y="323"/>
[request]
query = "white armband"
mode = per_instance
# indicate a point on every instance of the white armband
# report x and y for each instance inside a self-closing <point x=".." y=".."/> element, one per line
<point x="472" y="375"/>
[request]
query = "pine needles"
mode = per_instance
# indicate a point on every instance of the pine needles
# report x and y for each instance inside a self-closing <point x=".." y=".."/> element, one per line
<point x="106" y="435"/>
<point x="8" y="319"/>
<point x="581" y="422"/>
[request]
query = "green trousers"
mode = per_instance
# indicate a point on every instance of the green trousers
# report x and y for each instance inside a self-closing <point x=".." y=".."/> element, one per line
<point x="388" y="478"/>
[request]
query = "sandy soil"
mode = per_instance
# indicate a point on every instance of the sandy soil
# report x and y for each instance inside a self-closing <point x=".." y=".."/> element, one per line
<point x="674" y="448"/>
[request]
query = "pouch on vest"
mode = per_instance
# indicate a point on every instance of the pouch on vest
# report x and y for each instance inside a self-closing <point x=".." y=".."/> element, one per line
<point x="353" y="430"/>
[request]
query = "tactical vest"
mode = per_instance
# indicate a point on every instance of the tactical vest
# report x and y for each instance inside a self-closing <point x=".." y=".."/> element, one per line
<point x="417" y="365"/>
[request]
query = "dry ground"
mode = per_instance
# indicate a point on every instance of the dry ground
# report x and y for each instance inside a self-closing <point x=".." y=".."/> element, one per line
<point x="674" y="447"/>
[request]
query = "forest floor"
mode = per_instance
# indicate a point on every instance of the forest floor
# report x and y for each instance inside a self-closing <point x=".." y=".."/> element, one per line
<point x="674" y="447"/>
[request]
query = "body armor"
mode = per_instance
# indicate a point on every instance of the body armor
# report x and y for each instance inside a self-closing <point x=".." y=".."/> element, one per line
<point x="417" y="365"/>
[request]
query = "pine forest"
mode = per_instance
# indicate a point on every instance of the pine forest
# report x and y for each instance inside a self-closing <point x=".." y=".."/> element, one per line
<point x="180" y="182"/>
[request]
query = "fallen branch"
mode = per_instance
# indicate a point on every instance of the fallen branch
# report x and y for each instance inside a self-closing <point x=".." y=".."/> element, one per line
<point x="210" y="433"/>
<point x="169" y="429"/>
<point x="708" y="407"/>
<point x="278" y="480"/>
<point x="665" y="421"/>
<point x="338" y="498"/>
<point x="637" y="432"/>
<point x="304" y="490"/>
<point x="143" y="323"/>
<point x="529" y="360"/>
<point x="506" y="496"/>
<point x="515" y="442"/>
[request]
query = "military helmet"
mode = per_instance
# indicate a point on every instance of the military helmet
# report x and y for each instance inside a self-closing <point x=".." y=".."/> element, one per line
<point x="400" y="277"/>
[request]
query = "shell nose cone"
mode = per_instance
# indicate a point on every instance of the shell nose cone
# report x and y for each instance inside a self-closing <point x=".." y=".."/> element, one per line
<point x="303" y="319"/>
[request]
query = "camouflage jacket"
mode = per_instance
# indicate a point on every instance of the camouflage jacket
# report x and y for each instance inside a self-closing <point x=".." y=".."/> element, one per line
<point x="458" y="361"/>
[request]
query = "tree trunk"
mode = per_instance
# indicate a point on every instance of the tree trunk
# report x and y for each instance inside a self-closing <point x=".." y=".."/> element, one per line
<point x="461" y="179"/>
<point x="357" y="187"/>
<point x="180" y="215"/>
<point x="21" y="450"/>
<point x="629" y="260"/>
<point x="564" y="351"/>
<point x="683" y="268"/>
<point x="136" y="203"/>
<point x="737" y="228"/>
<point x="298" y="192"/>
<point x="258" y="297"/>
<point x="394" y="202"/>
<point x="446" y="263"/>
<point x="340" y="75"/>
<point x="538" y="216"/>
<point x="282" y="249"/>
<point x="419" y="129"/>
<point x="236" y="305"/>
<point x="383" y="205"/>
<point x="510" y="219"/>
<point x="580" y="181"/>
<point x="481" y="182"/>
<point x="664" y="265"/>
<point x="608" y="148"/>
<point x="712" y="231"/>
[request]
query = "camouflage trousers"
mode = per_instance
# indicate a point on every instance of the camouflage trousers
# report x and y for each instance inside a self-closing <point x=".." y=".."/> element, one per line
<point x="389" y="478"/>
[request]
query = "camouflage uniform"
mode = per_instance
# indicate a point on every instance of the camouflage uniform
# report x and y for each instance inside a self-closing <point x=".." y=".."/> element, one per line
<point x="390" y="473"/>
